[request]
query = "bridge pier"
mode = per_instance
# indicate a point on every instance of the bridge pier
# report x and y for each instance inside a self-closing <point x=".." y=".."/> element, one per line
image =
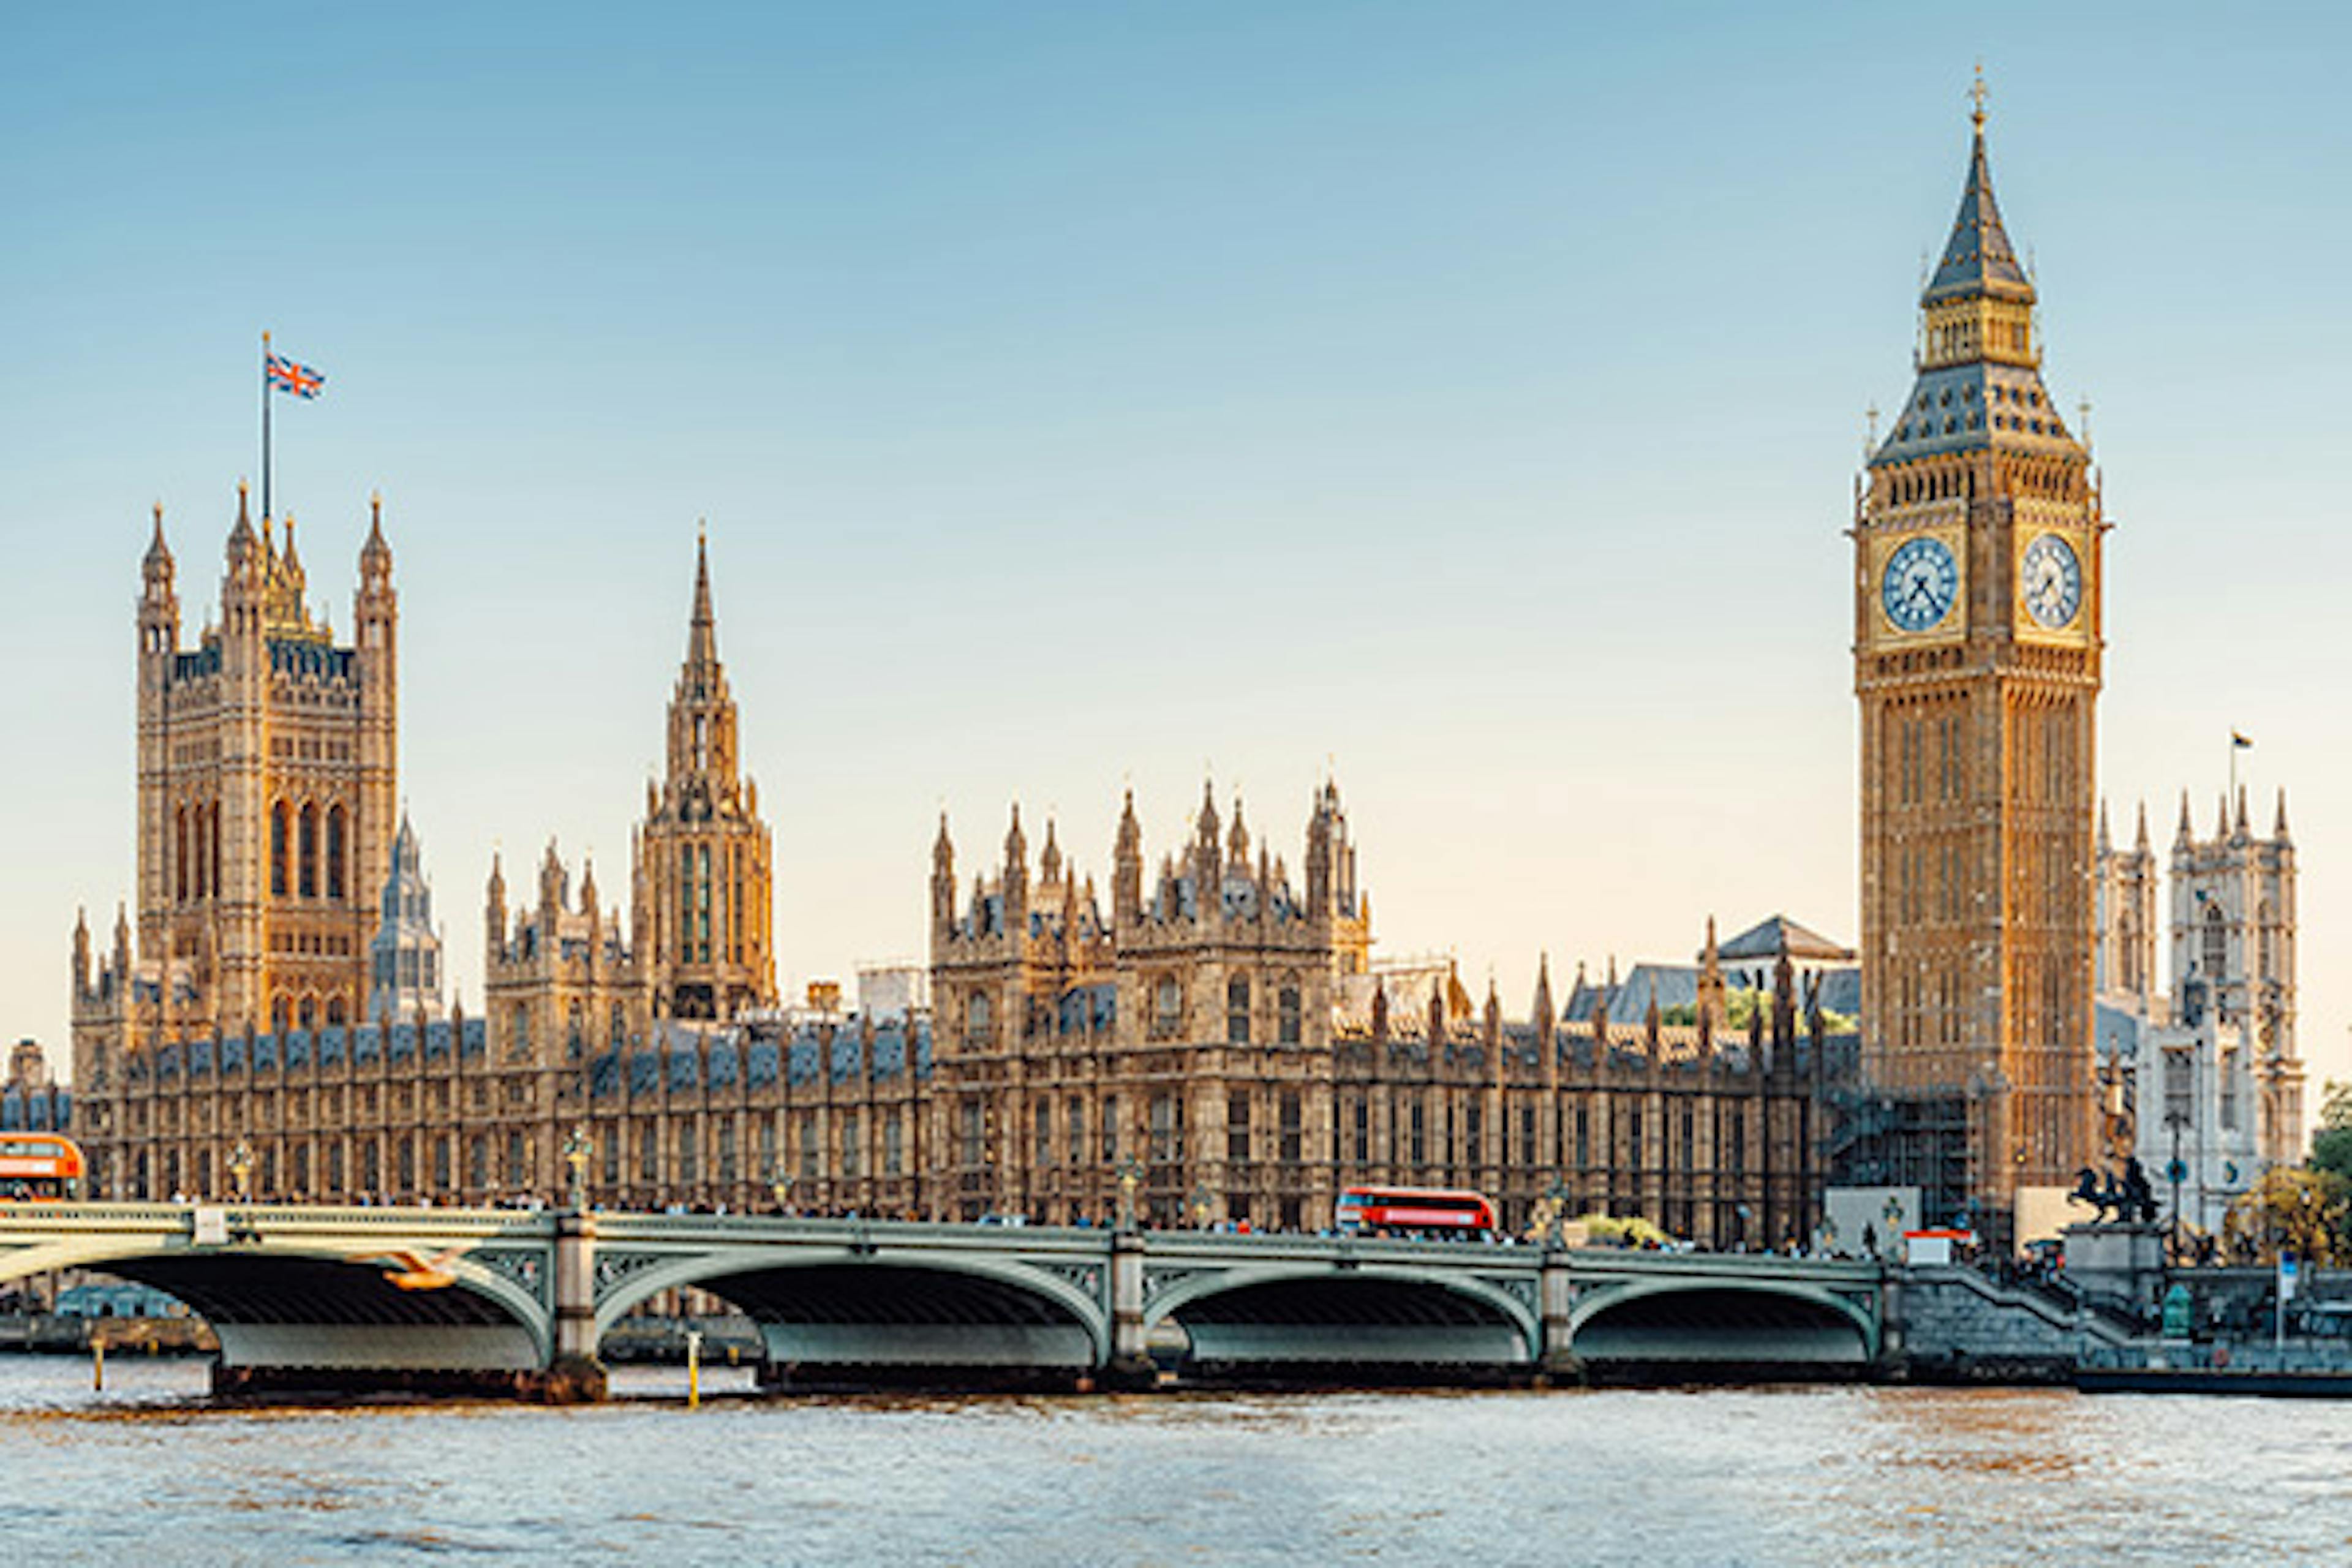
<point x="1558" y="1362"/>
<point x="573" y="1374"/>
<point x="1894" y="1353"/>
<point x="1130" y="1363"/>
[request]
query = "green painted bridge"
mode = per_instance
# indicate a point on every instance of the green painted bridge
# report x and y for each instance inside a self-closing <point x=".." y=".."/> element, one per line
<point x="471" y="1297"/>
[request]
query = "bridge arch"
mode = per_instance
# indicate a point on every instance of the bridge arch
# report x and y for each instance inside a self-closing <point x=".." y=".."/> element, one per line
<point x="848" y="1305"/>
<point x="1722" y="1319"/>
<point x="1373" y="1313"/>
<point x="282" y="1304"/>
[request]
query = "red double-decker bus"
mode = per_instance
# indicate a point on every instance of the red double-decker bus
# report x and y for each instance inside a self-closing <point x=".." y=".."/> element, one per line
<point x="1422" y="1211"/>
<point x="39" y="1168"/>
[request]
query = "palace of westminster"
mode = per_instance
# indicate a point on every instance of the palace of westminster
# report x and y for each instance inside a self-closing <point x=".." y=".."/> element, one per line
<point x="1215" y="1031"/>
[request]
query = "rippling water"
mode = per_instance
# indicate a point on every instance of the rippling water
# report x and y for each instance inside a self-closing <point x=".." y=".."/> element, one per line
<point x="145" y="1473"/>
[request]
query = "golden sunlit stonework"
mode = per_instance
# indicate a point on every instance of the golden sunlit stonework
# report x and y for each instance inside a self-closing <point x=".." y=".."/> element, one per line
<point x="1221" y="1029"/>
<point x="1221" y="1032"/>
<point x="1978" y="547"/>
<point x="268" y="805"/>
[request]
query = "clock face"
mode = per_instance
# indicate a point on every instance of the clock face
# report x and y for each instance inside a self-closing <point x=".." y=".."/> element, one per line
<point x="1921" y="582"/>
<point x="2052" y="581"/>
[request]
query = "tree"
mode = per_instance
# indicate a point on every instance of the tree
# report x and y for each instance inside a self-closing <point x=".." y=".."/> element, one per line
<point x="2308" y="1212"/>
<point x="2331" y="1146"/>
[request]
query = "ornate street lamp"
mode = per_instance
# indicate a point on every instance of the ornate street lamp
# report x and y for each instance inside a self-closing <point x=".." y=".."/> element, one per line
<point x="575" y="1155"/>
<point x="780" y="1185"/>
<point x="1130" y="1175"/>
<point x="1556" y="1228"/>
<point x="240" y="1167"/>
<point x="1202" y="1199"/>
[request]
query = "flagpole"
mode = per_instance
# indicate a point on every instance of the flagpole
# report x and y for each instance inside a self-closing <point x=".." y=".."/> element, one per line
<point x="265" y="442"/>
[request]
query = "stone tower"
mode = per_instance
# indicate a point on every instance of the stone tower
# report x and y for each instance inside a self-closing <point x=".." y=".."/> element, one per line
<point x="703" y="855"/>
<point x="2233" y="939"/>
<point x="404" y="958"/>
<point x="269" y="768"/>
<point x="2127" y="919"/>
<point x="1977" y="662"/>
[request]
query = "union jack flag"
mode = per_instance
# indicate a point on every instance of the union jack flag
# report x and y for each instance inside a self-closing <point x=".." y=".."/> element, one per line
<point x="285" y="375"/>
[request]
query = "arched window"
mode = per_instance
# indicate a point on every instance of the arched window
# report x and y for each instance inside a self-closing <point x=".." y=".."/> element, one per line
<point x="307" y="842"/>
<point x="1166" y="1008"/>
<point x="1237" y="1011"/>
<point x="2216" y="961"/>
<point x="702" y="926"/>
<point x="336" y="1015"/>
<point x="179" y="855"/>
<point x="620" y="1030"/>
<point x="212" y="850"/>
<point x="337" y="849"/>
<point x="281" y="830"/>
<point x="1291" y="1016"/>
<point x="281" y="1017"/>
<point x="310" y="1014"/>
<point x="979" y="1021"/>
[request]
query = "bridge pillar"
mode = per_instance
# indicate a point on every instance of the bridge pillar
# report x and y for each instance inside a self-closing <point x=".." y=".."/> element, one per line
<point x="1130" y="1358"/>
<point x="1894" y="1355"/>
<point x="575" y="1375"/>
<point x="1560" y="1362"/>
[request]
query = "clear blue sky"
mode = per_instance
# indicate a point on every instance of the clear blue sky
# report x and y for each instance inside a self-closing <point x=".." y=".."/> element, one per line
<point x="1088" y="393"/>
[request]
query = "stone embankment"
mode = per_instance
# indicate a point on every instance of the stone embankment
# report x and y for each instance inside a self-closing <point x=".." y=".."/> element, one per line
<point x="1959" y="1326"/>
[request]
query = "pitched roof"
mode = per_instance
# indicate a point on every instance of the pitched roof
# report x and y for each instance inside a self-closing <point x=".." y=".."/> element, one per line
<point x="1771" y="938"/>
<point x="1978" y="259"/>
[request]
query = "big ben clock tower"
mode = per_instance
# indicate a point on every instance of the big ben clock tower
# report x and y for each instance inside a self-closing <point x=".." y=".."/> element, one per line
<point x="1977" y="648"/>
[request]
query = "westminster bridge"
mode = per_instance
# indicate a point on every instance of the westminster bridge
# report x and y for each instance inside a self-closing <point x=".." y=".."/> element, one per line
<point x="312" y="1295"/>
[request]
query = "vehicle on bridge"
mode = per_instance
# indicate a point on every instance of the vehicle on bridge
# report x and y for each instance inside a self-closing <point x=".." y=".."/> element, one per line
<point x="1435" y="1212"/>
<point x="39" y="1168"/>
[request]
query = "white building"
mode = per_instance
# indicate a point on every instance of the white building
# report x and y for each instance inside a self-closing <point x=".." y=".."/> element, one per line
<point x="2207" y="1074"/>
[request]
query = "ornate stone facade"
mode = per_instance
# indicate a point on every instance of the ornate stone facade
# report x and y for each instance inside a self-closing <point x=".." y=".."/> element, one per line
<point x="704" y="891"/>
<point x="1977" y="637"/>
<point x="1225" y="1036"/>
<point x="2211" y="1070"/>
<point x="268" y="790"/>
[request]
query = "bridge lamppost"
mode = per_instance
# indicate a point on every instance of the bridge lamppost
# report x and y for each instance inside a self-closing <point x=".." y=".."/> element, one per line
<point x="1130" y="1175"/>
<point x="1556" y="1229"/>
<point x="1201" y="1201"/>
<point x="240" y="1168"/>
<point x="575" y="1155"/>
<point x="780" y="1185"/>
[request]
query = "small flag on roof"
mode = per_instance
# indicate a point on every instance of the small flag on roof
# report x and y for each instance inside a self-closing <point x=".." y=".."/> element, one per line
<point x="2240" y="741"/>
<point x="286" y="375"/>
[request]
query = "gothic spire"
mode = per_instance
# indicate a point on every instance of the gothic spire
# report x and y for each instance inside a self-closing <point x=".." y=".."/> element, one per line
<point x="243" y="547"/>
<point x="1978" y="259"/>
<point x="702" y="637"/>
<point x="2280" y="832"/>
<point x="2143" y="827"/>
<point x="1979" y="359"/>
<point x="158" y="553"/>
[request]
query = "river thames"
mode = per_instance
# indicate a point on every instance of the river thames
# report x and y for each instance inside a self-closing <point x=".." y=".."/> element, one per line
<point x="148" y="1473"/>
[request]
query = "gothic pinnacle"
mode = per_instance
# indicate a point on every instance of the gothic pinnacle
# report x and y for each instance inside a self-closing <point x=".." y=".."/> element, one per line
<point x="702" y="637"/>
